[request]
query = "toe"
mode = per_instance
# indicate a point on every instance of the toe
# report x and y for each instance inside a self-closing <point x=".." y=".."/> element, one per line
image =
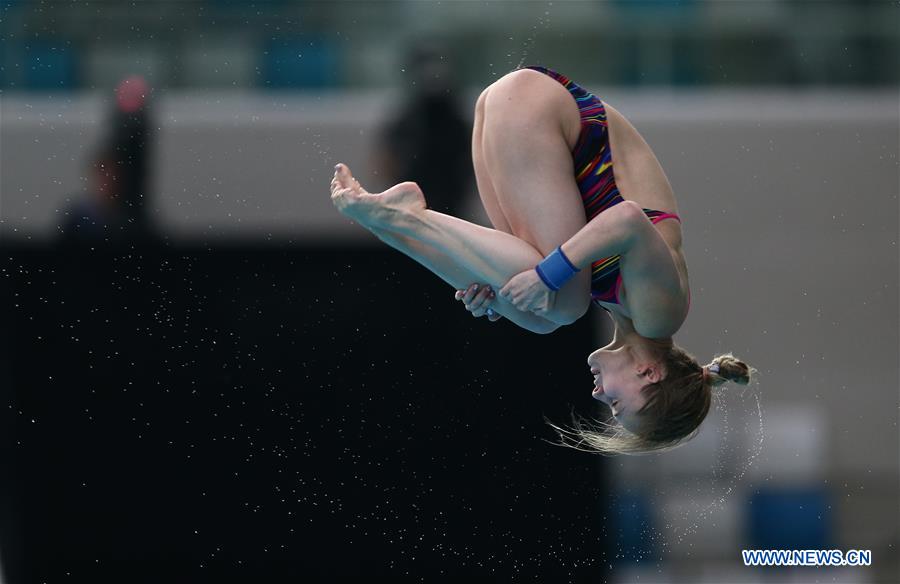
<point x="346" y="180"/>
<point x="343" y="173"/>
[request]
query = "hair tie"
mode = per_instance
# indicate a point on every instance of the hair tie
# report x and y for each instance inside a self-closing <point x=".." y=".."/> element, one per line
<point x="706" y="369"/>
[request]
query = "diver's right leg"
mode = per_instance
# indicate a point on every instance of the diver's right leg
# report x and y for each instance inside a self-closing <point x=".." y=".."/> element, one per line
<point x="529" y="123"/>
<point x="486" y="190"/>
<point x="538" y="207"/>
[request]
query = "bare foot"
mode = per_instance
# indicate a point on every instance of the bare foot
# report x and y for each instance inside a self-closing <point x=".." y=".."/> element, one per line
<point x="401" y="201"/>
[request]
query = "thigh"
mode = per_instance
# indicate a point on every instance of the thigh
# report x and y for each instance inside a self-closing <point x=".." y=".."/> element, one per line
<point x="486" y="190"/>
<point x="528" y="157"/>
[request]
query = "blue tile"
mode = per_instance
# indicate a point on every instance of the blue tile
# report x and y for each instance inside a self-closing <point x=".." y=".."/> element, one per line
<point x="49" y="65"/>
<point x="650" y="6"/>
<point x="790" y="519"/>
<point x="254" y="5"/>
<point x="634" y="525"/>
<point x="4" y="51"/>
<point x="299" y="63"/>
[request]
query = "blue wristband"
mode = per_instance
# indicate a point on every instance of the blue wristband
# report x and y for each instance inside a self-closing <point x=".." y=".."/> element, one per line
<point x="556" y="269"/>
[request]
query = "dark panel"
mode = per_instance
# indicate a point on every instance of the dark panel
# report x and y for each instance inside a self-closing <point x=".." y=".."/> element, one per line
<point x="286" y="413"/>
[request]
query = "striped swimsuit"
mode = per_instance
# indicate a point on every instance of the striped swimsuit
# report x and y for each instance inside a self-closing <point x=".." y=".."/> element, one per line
<point x="594" y="174"/>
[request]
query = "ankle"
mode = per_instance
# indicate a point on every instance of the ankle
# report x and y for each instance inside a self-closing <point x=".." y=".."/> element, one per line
<point x="409" y="222"/>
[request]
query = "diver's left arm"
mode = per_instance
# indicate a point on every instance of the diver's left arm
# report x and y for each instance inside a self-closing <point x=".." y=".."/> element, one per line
<point x="622" y="230"/>
<point x="647" y="265"/>
<point x="616" y="231"/>
<point x="612" y="232"/>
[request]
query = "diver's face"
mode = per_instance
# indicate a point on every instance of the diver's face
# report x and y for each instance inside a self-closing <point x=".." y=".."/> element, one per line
<point x="618" y="379"/>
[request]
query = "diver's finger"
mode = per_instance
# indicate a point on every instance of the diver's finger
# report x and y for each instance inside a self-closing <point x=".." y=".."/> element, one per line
<point x="470" y="293"/>
<point x="482" y="298"/>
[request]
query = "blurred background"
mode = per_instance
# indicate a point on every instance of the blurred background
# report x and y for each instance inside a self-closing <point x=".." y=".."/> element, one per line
<point x="207" y="374"/>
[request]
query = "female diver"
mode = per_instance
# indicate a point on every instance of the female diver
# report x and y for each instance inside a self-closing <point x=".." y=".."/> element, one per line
<point x="566" y="232"/>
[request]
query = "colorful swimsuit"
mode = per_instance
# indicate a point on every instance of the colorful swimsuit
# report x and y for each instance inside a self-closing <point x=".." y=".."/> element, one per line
<point x="594" y="174"/>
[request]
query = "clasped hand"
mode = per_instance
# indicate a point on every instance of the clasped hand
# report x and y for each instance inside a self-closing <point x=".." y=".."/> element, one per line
<point x="528" y="293"/>
<point x="478" y="300"/>
<point x="525" y="291"/>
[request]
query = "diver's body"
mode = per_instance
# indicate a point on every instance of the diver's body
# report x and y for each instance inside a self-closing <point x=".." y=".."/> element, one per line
<point x="544" y="168"/>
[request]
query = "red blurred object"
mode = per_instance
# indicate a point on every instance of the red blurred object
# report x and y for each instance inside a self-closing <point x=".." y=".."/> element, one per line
<point x="131" y="93"/>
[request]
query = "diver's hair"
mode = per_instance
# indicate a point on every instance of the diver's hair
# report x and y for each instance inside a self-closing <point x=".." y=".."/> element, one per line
<point x="675" y="407"/>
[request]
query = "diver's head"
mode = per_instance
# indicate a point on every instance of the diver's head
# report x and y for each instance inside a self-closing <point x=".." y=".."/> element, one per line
<point x="622" y="370"/>
<point x="658" y="394"/>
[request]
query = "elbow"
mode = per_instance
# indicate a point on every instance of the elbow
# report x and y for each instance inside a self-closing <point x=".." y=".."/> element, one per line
<point x="630" y="214"/>
<point x="617" y="227"/>
<point x="634" y="221"/>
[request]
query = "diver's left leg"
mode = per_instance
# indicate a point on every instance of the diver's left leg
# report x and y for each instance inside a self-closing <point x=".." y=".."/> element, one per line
<point x="480" y="254"/>
<point x="492" y="256"/>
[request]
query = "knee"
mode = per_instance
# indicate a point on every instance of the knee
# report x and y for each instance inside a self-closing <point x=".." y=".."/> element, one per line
<point x="497" y="96"/>
<point x="572" y="311"/>
<point x="517" y="81"/>
<point x="524" y="87"/>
